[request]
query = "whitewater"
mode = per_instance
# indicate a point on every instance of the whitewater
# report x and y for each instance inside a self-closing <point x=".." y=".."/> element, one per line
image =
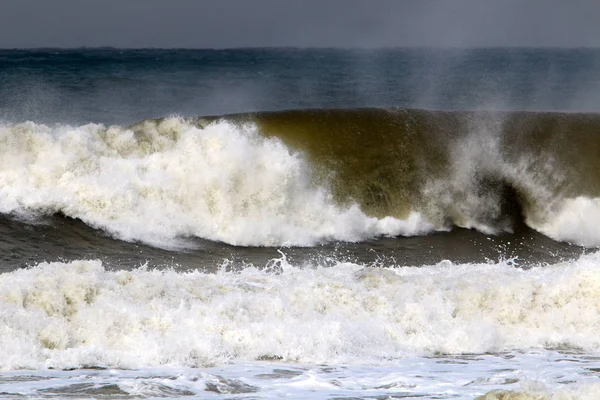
<point x="78" y="315"/>
<point x="219" y="183"/>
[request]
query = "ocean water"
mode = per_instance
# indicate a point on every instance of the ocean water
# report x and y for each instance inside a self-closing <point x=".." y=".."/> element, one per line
<point x="319" y="224"/>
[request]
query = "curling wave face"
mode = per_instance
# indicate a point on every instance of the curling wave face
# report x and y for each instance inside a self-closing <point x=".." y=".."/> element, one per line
<point x="308" y="176"/>
<point x="492" y="171"/>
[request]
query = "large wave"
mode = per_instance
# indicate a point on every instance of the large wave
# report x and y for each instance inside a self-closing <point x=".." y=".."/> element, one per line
<point x="170" y="179"/>
<point x="78" y="314"/>
<point x="309" y="176"/>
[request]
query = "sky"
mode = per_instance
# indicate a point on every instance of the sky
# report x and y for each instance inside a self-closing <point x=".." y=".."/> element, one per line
<point x="298" y="23"/>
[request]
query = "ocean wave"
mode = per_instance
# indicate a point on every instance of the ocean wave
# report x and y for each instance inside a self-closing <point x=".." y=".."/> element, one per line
<point x="169" y="179"/>
<point x="77" y="314"/>
<point x="298" y="178"/>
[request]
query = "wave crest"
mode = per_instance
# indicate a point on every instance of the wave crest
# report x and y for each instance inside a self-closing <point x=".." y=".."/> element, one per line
<point x="297" y="178"/>
<point x="165" y="179"/>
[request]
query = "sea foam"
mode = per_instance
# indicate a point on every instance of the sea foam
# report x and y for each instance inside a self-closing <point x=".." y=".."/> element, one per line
<point x="66" y="315"/>
<point x="170" y="179"/>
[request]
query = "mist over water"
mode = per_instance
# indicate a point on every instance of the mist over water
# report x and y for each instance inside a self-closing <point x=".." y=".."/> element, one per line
<point x="121" y="87"/>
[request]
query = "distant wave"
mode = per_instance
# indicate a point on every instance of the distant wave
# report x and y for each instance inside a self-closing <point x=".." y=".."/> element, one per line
<point x="308" y="176"/>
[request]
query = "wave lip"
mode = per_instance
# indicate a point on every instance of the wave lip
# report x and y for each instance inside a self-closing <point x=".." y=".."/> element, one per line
<point x="70" y="315"/>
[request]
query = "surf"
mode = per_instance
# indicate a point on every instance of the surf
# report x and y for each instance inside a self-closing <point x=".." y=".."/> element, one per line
<point x="303" y="177"/>
<point x="80" y="314"/>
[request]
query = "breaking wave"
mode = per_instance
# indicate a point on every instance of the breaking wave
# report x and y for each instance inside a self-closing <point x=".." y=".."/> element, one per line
<point x="171" y="179"/>
<point x="78" y="314"/>
<point x="297" y="178"/>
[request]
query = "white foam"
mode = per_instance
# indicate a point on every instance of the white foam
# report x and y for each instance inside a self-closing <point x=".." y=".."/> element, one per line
<point x="171" y="179"/>
<point x="66" y="315"/>
<point x="577" y="220"/>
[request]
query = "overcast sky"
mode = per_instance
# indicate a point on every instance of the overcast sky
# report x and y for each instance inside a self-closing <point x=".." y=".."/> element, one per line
<point x="302" y="23"/>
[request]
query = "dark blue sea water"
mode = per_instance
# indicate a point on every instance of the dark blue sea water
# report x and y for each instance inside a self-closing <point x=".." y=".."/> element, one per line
<point x="123" y="86"/>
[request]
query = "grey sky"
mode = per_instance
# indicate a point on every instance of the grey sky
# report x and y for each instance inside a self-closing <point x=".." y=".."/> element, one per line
<point x="303" y="23"/>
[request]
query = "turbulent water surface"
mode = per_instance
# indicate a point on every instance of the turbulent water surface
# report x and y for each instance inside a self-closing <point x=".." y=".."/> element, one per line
<point x="268" y="223"/>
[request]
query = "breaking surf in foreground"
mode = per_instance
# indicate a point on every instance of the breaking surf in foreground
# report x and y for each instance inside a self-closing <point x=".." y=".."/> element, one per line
<point x="466" y="323"/>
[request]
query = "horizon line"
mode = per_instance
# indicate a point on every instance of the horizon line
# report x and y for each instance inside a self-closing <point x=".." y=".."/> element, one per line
<point x="366" y="48"/>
